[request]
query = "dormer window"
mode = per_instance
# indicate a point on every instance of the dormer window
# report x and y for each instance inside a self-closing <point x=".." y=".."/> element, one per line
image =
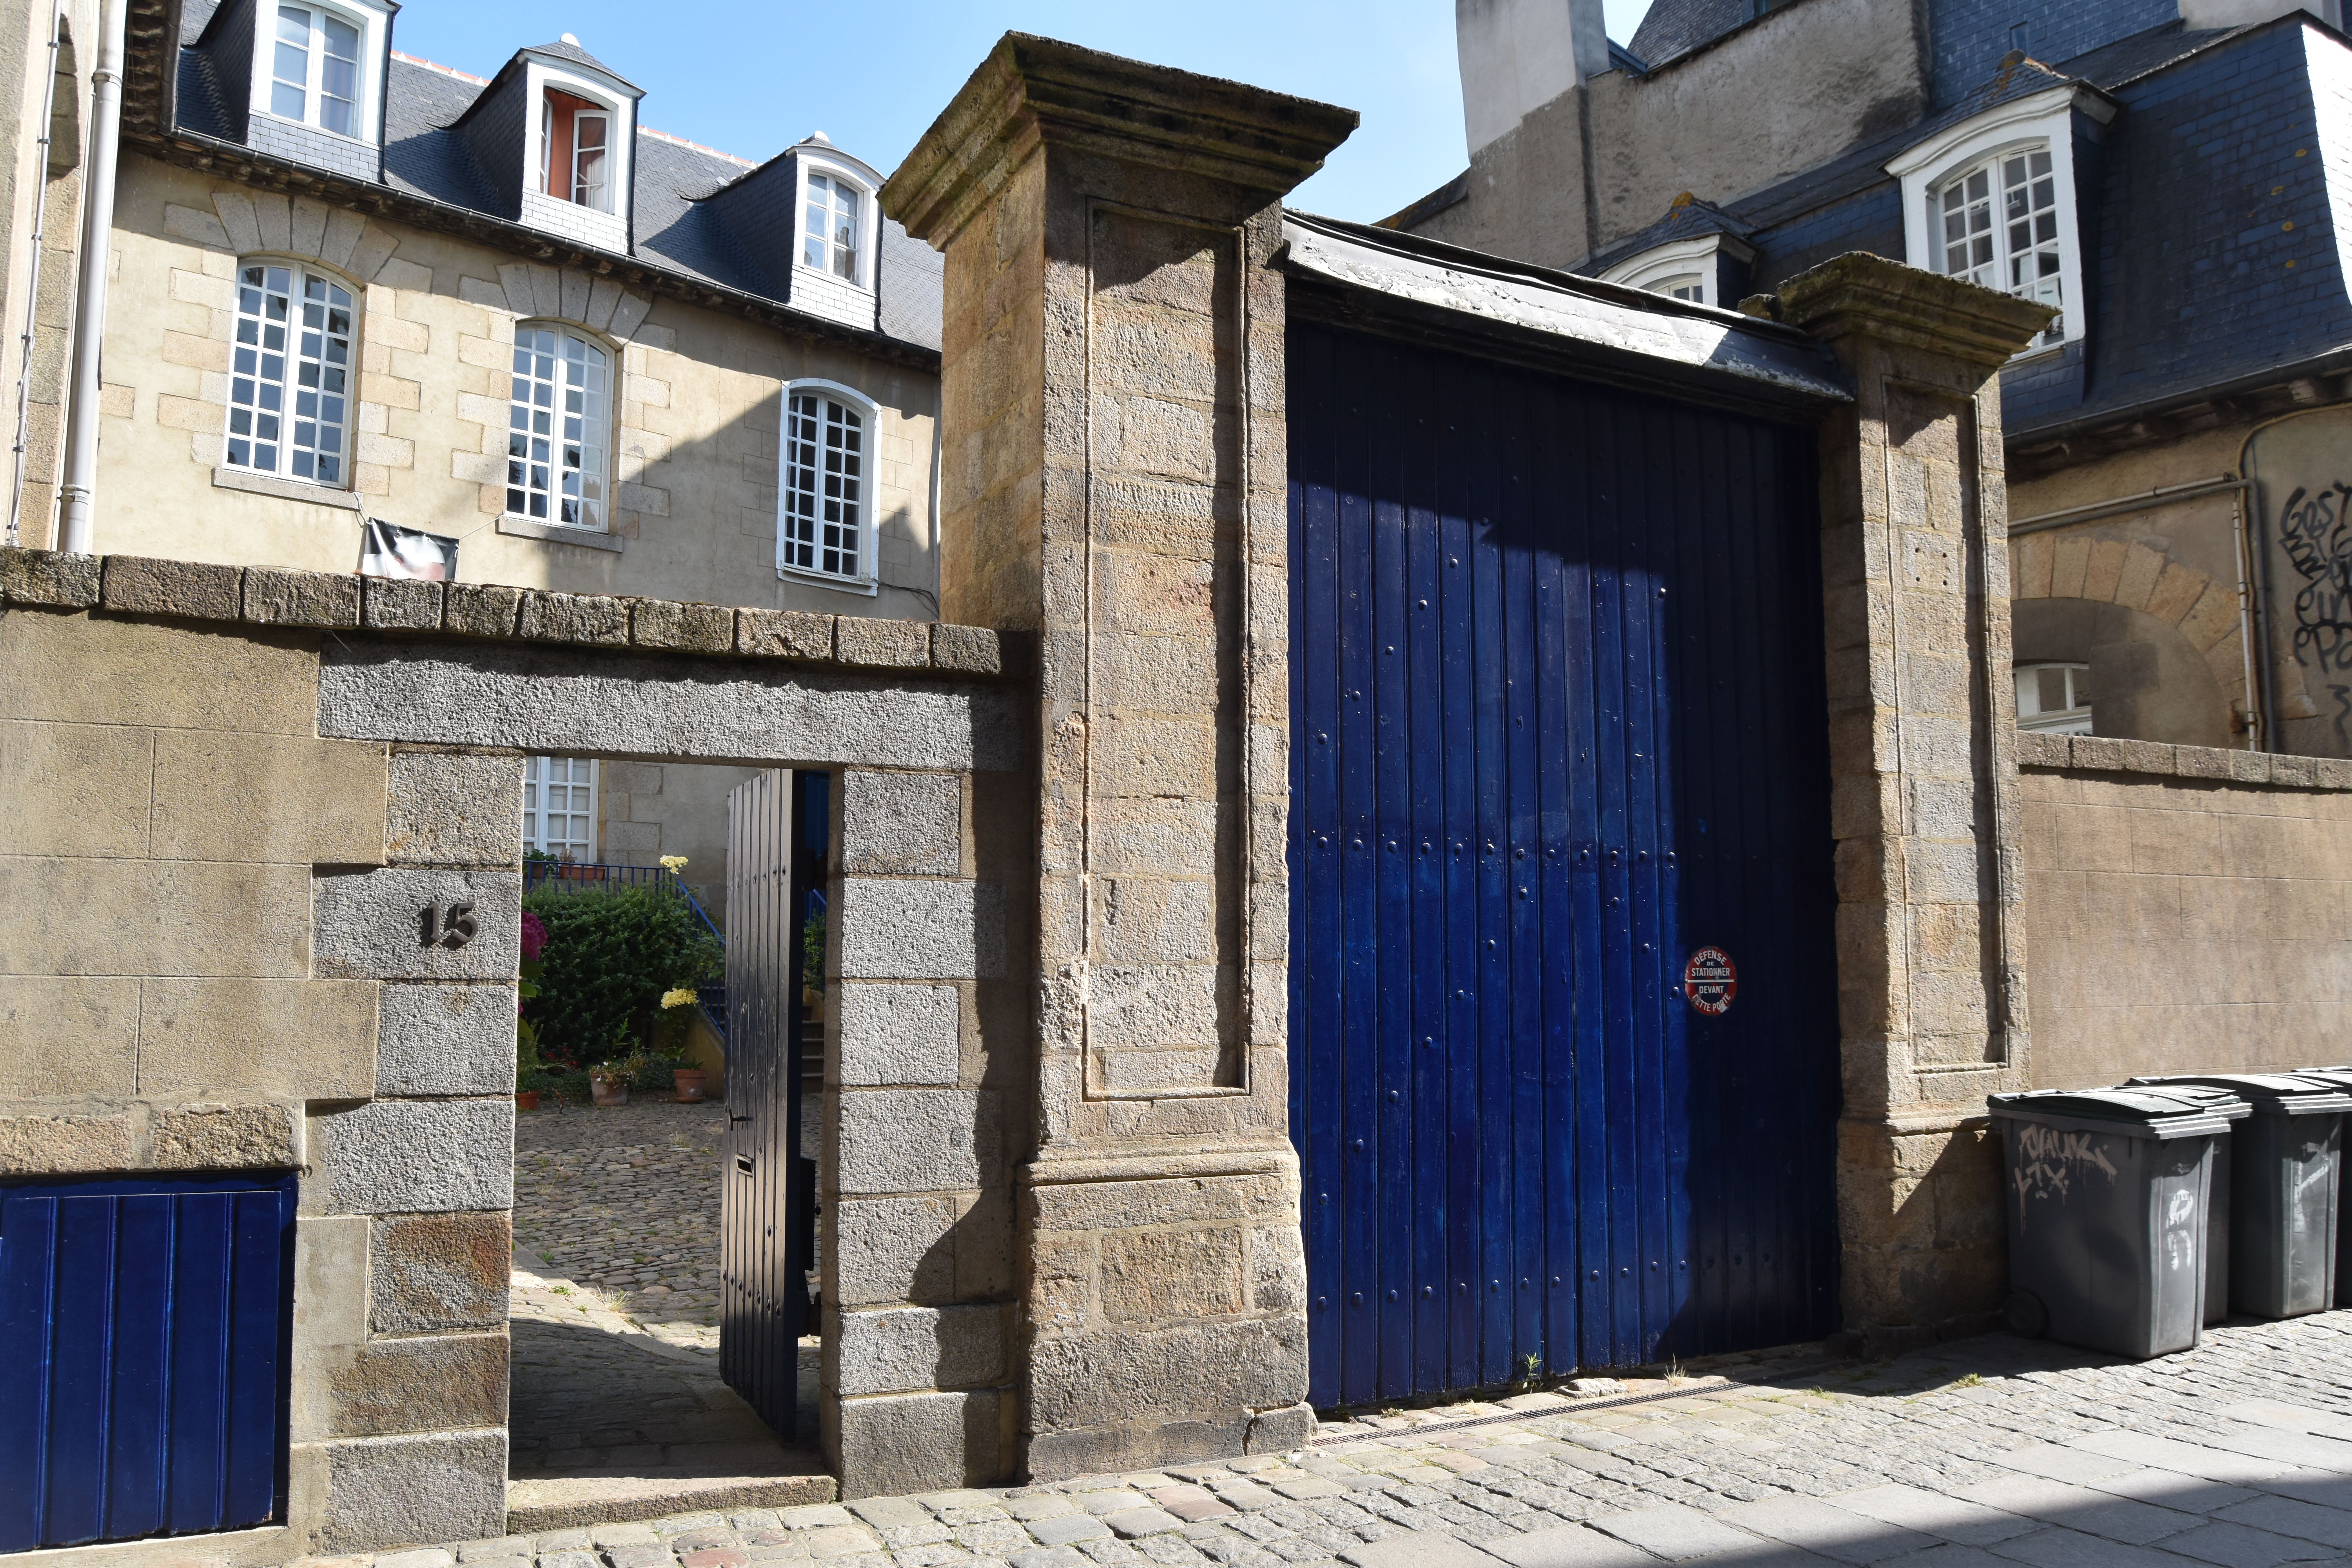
<point x="575" y="145"/>
<point x="1992" y="200"/>
<point x="1705" y="269"/>
<point x="1999" y="228"/>
<point x="1687" y="286"/>
<point x="315" y="69"/>
<point x="833" y="221"/>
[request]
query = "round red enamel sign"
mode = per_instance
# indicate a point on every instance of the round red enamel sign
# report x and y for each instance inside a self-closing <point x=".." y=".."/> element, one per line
<point x="1710" y="981"/>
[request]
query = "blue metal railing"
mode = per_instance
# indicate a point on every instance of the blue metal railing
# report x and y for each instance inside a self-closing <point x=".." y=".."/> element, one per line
<point x="576" y="876"/>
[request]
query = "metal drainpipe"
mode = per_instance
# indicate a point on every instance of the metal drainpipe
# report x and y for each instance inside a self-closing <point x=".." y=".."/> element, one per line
<point x="77" y="528"/>
<point x="2260" y="720"/>
<point x="33" y="276"/>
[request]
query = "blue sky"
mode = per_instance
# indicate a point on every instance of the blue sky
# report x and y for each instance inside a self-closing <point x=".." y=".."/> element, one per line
<point x="751" y="79"/>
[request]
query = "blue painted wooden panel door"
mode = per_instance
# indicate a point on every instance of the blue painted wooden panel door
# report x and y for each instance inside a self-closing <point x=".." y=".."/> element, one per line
<point x="1557" y="725"/>
<point x="143" y="1357"/>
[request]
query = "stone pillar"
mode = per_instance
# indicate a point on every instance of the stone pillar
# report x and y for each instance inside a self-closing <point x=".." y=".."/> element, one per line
<point x="1113" y="485"/>
<point x="1931" y="939"/>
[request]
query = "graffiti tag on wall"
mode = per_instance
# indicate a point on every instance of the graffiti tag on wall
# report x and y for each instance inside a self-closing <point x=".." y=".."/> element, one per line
<point x="2049" y="1161"/>
<point x="2315" y="530"/>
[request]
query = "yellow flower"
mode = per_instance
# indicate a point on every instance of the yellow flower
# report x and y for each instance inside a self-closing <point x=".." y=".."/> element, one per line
<point x="673" y="862"/>
<point x="679" y="997"/>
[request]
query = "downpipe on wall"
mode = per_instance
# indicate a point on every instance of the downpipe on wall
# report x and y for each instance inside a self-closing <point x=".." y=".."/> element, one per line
<point x="76" y="523"/>
<point x="33" y="272"/>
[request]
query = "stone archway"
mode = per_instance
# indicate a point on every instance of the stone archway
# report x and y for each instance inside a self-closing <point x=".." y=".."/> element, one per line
<point x="2174" y="610"/>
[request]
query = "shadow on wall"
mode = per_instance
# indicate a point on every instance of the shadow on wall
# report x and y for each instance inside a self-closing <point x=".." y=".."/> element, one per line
<point x="1946" y="1193"/>
<point x="2148" y="682"/>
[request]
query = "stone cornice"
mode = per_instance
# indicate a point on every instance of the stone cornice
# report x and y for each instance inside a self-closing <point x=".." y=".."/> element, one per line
<point x="2207" y="764"/>
<point x="280" y="597"/>
<point x="1031" y="90"/>
<point x="1862" y="294"/>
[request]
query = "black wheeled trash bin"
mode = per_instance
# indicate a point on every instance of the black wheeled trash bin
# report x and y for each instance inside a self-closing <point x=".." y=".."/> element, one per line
<point x="2282" y="1181"/>
<point x="2107" y="1214"/>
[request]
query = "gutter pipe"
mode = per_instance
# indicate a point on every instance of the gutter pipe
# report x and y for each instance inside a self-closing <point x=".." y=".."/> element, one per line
<point x="33" y="273"/>
<point x="75" y="522"/>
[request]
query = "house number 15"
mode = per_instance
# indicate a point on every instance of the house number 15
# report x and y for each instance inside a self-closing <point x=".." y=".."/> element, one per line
<point x="448" y="922"/>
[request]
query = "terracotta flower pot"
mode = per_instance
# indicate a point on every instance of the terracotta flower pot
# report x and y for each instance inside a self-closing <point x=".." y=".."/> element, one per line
<point x="608" y="1090"/>
<point x="526" y="1100"/>
<point x="690" y="1082"/>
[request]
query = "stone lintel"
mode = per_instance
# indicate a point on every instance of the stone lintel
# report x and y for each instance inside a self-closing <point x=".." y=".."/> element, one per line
<point x="1859" y="294"/>
<point x="1032" y="90"/>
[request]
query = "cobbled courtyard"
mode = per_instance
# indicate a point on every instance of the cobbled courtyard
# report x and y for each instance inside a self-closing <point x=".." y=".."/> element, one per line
<point x="625" y="1201"/>
<point x="1977" y="1453"/>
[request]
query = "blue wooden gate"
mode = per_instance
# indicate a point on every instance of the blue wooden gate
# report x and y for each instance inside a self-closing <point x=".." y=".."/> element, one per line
<point x="1558" y="726"/>
<point x="144" y="1328"/>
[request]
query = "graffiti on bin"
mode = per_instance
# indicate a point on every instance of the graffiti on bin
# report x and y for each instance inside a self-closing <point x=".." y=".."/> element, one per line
<point x="2050" y="1160"/>
<point x="2180" y="1229"/>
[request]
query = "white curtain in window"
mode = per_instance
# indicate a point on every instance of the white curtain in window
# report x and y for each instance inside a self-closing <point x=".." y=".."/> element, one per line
<point x="315" y="69"/>
<point x="830" y="244"/>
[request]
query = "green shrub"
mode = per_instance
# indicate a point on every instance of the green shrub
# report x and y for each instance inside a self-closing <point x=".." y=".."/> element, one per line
<point x="610" y="955"/>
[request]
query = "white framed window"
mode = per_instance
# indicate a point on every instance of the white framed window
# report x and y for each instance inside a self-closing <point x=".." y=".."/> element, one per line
<point x="559" y="807"/>
<point x="1992" y="200"/>
<point x="1998" y="228"/>
<point x="1683" y="268"/>
<point x="319" y="65"/>
<point x="289" y="374"/>
<point x="2054" y="699"/>
<point x="575" y="148"/>
<point x="314" y="74"/>
<point x="832" y="225"/>
<point x="557" y="426"/>
<point x="824" y="530"/>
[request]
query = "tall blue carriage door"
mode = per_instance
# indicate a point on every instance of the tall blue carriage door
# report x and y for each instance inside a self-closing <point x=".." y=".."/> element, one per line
<point x="1563" y="1025"/>
<point x="143" y="1378"/>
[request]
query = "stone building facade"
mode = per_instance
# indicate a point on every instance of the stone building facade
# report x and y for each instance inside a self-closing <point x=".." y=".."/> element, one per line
<point x="2180" y="214"/>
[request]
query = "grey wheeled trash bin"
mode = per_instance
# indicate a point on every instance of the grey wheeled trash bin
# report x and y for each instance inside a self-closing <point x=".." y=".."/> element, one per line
<point x="2107" y="1214"/>
<point x="2339" y="1078"/>
<point x="2283" y="1181"/>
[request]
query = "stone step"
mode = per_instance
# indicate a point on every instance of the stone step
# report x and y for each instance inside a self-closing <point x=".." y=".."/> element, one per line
<point x="573" y="1500"/>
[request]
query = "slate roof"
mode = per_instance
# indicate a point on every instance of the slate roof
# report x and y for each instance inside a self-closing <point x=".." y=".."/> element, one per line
<point x="423" y="155"/>
<point x="1687" y="218"/>
<point x="1677" y="26"/>
<point x="2182" y="293"/>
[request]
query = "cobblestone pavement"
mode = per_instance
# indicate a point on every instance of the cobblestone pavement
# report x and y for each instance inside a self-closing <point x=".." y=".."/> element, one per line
<point x="625" y="1200"/>
<point x="1980" y="1454"/>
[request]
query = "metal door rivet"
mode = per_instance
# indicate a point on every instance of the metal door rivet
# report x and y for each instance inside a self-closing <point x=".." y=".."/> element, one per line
<point x="1391" y="846"/>
<point x="1391" y="648"/>
<point x="1613" y="900"/>
<point x="1642" y="856"/>
<point x="1359" y="844"/>
<point x="1523" y="1284"/>
<point x="1520" y="852"/>
<point x="1555" y="1282"/>
<point x="1454" y="561"/>
<point x="1463" y="1288"/>
<point x="1358" y="1145"/>
<point x="1356" y="1299"/>
<point x="1653" y="1266"/>
<point x="1490" y="945"/>
<point x="1596" y="1274"/>
<point x="1624" y="1273"/>
<point x="1428" y="1040"/>
<point x="1323" y="1197"/>
<point x="1424" y="603"/>
<point x="1358" y="697"/>
<point x="1494" y="1287"/>
<point x="1394" y="1096"/>
<point x="1425" y="846"/>
<point x="1427" y="1291"/>
<point x="1321" y="1302"/>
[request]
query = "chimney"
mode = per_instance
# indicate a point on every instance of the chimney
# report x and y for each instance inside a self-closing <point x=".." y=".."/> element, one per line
<point x="1519" y="54"/>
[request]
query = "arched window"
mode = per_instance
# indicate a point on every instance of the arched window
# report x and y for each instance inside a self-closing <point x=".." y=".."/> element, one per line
<point x="1682" y="285"/>
<point x="556" y="429"/>
<point x="822" y="530"/>
<point x="1997" y="224"/>
<point x="314" y="69"/>
<point x="288" y="390"/>
<point x="2054" y="698"/>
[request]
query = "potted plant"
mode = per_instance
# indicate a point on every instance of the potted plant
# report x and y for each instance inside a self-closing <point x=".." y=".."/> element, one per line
<point x="671" y="1032"/>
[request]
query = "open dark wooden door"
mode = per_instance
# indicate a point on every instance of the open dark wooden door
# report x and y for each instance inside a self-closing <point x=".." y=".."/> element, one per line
<point x="763" y="1294"/>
